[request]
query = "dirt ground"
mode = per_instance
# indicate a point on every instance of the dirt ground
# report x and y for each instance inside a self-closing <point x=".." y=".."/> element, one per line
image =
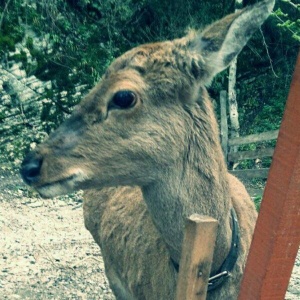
<point x="46" y="252"/>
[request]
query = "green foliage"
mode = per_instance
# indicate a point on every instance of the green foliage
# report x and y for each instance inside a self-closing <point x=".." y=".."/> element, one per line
<point x="6" y="43"/>
<point x="21" y="57"/>
<point x="257" y="202"/>
<point x="9" y="33"/>
<point x="72" y="42"/>
<point x="289" y="18"/>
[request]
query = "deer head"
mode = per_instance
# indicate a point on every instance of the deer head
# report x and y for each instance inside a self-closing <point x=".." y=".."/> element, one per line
<point x="135" y="123"/>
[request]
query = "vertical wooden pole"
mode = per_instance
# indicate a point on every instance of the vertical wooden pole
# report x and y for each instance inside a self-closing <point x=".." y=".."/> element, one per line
<point x="224" y="123"/>
<point x="232" y="102"/>
<point x="196" y="257"/>
<point x="277" y="234"/>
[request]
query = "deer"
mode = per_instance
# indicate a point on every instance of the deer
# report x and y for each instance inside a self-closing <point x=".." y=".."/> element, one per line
<point x="144" y="146"/>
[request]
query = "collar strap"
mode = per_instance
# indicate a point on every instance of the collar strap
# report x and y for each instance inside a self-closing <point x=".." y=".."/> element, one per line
<point x="215" y="280"/>
<point x="219" y="277"/>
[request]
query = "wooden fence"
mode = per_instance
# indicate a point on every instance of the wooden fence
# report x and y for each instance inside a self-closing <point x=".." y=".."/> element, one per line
<point x="229" y="145"/>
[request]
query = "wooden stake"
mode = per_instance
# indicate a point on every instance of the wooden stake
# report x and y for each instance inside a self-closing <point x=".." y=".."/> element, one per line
<point x="196" y="258"/>
<point x="277" y="234"/>
<point x="224" y="123"/>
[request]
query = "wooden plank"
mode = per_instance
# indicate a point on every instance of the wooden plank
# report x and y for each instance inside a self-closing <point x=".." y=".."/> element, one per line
<point x="224" y="123"/>
<point x="250" y="173"/>
<point x="277" y="234"/>
<point x="254" y="138"/>
<point x="241" y="155"/>
<point x="196" y="257"/>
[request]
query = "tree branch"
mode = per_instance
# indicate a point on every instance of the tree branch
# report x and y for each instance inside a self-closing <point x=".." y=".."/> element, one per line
<point x="4" y="10"/>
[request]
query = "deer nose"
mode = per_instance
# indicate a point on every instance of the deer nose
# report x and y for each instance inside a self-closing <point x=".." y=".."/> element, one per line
<point x="30" y="169"/>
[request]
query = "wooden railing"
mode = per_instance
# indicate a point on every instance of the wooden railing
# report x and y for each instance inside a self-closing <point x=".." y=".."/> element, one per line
<point x="229" y="144"/>
<point x="254" y="154"/>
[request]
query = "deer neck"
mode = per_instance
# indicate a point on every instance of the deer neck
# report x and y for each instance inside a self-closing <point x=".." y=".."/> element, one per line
<point x="196" y="184"/>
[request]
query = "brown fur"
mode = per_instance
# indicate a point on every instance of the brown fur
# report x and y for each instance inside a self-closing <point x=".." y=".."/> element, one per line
<point x="134" y="253"/>
<point x="163" y="153"/>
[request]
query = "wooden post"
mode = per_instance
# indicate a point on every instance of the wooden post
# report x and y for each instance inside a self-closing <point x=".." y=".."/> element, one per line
<point x="277" y="234"/>
<point x="232" y="103"/>
<point x="196" y="257"/>
<point x="224" y="123"/>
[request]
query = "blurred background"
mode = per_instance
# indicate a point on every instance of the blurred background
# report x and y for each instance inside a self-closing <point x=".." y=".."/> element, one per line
<point x="53" y="52"/>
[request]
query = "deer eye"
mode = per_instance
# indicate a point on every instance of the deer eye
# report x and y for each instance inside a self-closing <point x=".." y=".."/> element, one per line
<point x="123" y="100"/>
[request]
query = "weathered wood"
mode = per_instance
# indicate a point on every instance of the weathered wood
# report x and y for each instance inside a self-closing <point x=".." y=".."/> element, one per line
<point x="196" y="258"/>
<point x="224" y="123"/>
<point x="277" y="234"/>
<point x="241" y="155"/>
<point x="250" y="173"/>
<point x="232" y="104"/>
<point x="254" y="138"/>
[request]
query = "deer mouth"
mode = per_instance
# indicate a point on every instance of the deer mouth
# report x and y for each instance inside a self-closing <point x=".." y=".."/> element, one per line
<point x="62" y="186"/>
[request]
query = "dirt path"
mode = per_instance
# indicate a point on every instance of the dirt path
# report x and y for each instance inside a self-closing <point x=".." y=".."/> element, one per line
<point x="46" y="253"/>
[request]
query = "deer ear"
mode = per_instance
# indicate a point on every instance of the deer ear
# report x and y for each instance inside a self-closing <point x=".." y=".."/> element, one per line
<point x="222" y="41"/>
